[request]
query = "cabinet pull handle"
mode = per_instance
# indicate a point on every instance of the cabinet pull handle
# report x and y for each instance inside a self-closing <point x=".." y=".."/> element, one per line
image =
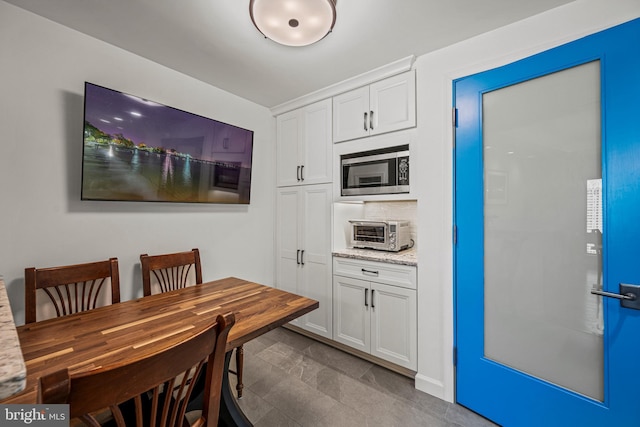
<point x="371" y="272"/>
<point x="366" y="299"/>
<point x="302" y="173"/>
<point x="298" y="173"/>
<point x="298" y="257"/>
<point x="365" y="121"/>
<point x="371" y="119"/>
<point x="302" y="257"/>
<point x="372" y="304"/>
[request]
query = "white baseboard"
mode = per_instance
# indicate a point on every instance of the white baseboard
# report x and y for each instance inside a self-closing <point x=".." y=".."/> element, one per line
<point x="430" y="386"/>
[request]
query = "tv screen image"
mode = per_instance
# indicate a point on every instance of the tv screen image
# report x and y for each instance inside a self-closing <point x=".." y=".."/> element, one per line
<point x="139" y="150"/>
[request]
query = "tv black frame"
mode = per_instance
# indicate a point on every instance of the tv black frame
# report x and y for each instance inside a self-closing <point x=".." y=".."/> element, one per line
<point x="121" y="164"/>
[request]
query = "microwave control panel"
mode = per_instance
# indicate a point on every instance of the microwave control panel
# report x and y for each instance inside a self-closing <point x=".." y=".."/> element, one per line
<point x="403" y="170"/>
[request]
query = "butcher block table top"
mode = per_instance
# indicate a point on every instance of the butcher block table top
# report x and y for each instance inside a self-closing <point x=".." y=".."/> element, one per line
<point x="118" y="332"/>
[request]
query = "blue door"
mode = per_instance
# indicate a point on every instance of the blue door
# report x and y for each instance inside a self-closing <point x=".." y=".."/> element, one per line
<point x="547" y="254"/>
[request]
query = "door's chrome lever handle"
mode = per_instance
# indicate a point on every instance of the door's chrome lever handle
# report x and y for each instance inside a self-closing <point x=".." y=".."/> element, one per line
<point x="629" y="296"/>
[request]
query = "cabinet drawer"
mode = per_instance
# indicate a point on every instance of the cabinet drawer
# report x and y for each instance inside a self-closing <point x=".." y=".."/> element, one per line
<point x="381" y="272"/>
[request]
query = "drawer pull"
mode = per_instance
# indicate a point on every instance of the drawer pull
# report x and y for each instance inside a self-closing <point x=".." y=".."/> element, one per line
<point x="370" y="272"/>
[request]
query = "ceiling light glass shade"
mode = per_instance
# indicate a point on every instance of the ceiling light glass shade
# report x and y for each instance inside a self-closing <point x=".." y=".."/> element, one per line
<point x="293" y="22"/>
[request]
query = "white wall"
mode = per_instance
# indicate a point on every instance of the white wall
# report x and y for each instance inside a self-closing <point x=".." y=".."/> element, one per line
<point x="43" y="222"/>
<point x="435" y="74"/>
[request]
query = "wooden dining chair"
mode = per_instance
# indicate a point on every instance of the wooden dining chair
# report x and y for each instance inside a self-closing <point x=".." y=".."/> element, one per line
<point x="167" y="272"/>
<point x="151" y="391"/>
<point x="72" y="288"/>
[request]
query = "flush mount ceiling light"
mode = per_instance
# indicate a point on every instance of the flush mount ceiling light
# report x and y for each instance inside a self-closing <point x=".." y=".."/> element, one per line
<point x="293" y="22"/>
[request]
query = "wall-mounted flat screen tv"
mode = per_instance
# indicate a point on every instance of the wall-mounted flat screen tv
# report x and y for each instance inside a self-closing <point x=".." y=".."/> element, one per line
<point x="139" y="150"/>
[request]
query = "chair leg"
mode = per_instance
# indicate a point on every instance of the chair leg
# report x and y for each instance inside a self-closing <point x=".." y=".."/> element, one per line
<point x="239" y="369"/>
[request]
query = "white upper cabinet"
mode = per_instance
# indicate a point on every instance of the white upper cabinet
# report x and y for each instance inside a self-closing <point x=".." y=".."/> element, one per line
<point x="304" y="145"/>
<point x="289" y="135"/>
<point x="393" y="103"/>
<point x="384" y="106"/>
<point x="351" y="115"/>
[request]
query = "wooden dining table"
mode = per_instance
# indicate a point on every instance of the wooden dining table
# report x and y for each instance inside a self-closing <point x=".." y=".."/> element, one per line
<point x="115" y="333"/>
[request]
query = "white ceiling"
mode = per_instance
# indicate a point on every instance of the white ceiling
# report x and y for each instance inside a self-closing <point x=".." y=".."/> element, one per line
<point x="216" y="42"/>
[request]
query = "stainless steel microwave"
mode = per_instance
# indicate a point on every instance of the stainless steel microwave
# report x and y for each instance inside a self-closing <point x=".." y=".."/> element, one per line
<point x="384" y="171"/>
<point x="385" y="235"/>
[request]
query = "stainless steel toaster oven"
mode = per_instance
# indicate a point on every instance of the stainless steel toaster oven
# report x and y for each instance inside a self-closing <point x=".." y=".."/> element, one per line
<point x="387" y="235"/>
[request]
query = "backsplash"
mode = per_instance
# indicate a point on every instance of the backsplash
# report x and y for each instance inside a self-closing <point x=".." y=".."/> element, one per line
<point x="405" y="210"/>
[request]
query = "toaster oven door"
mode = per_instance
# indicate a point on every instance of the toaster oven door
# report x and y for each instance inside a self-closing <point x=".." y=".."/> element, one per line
<point x="369" y="235"/>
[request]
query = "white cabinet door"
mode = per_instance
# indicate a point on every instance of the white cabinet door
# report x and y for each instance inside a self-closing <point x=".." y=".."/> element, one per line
<point x="289" y="135"/>
<point x="304" y="146"/>
<point x="287" y="240"/>
<point x="393" y="103"/>
<point x="384" y="106"/>
<point x="317" y="149"/>
<point x="315" y="258"/>
<point x="303" y="247"/>
<point x="394" y="324"/>
<point x="349" y="121"/>
<point x="352" y="321"/>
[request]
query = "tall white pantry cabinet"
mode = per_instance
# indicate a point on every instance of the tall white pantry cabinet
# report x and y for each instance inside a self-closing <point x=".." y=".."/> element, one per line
<point x="304" y="200"/>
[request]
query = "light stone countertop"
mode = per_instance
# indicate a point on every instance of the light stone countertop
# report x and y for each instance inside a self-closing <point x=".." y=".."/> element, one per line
<point x="13" y="373"/>
<point x="406" y="257"/>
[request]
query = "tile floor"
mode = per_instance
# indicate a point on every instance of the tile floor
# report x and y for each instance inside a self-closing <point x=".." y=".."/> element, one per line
<point x="291" y="380"/>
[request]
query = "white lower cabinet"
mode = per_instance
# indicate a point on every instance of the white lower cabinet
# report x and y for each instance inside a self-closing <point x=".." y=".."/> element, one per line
<point x="303" y="245"/>
<point x="375" y="309"/>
